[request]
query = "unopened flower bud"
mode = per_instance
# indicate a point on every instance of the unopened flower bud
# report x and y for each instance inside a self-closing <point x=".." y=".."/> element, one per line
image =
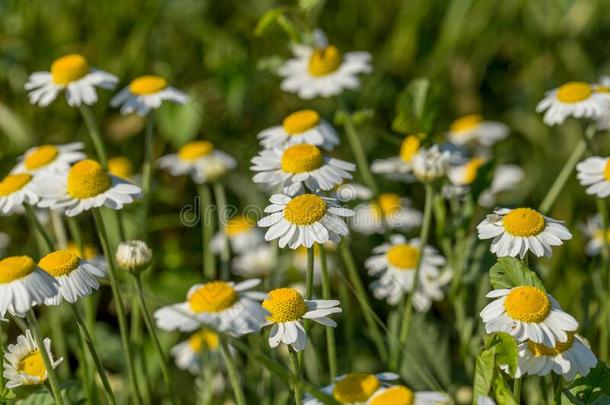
<point x="133" y="256"/>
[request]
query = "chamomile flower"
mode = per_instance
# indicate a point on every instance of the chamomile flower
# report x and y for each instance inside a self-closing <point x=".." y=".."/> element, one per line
<point x="395" y="264"/>
<point x="24" y="364"/>
<point x="304" y="220"/>
<point x="49" y="158"/>
<point x="402" y="395"/>
<point x="574" y="99"/>
<point x="23" y="285"/>
<point x="352" y="191"/>
<point x="399" y="167"/>
<point x="85" y="186"/>
<point x="430" y="163"/>
<point x="466" y="173"/>
<point x="200" y="160"/>
<point x="354" y="388"/>
<point x="387" y="211"/>
<point x="473" y="128"/>
<point x="121" y="166"/>
<point x="299" y="167"/>
<point x="73" y="74"/>
<point x="594" y="173"/>
<point x="594" y="230"/>
<point x="260" y="261"/>
<point x="304" y="126"/>
<point x="517" y="231"/>
<point x="286" y="310"/>
<point x="242" y="234"/>
<point x="505" y="178"/>
<point x="527" y="312"/>
<point x="188" y="353"/>
<point x="225" y="306"/>
<point x="76" y="278"/>
<point x="146" y="93"/>
<point x="15" y="190"/>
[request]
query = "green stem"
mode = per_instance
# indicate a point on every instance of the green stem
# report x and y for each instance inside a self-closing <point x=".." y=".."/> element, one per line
<point x="294" y="368"/>
<point x="238" y="392"/>
<point x="358" y="151"/>
<point x="59" y="229"/>
<point x="147" y="171"/>
<point x="94" y="134"/>
<point x="309" y="275"/>
<point x="1" y="356"/>
<point x="40" y="230"/>
<point x="207" y="231"/>
<point x="330" y="331"/>
<point x="221" y="206"/>
<point x="558" y="385"/>
<point x="517" y="390"/>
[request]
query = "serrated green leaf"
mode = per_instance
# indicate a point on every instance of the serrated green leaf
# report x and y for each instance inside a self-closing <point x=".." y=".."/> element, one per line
<point x="590" y="388"/>
<point x="509" y="272"/>
<point x="415" y="108"/>
<point x="503" y="394"/>
<point x="484" y="373"/>
<point x="506" y="351"/>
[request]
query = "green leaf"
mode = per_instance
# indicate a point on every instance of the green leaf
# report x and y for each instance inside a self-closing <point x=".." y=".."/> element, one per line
<point x="593" y="386"/>
<point x="506" y="351"/>
<point x="484" y="373"/>
<point x="415" y="108"/>
<point x="509" y="272"/>
<point x="267" y="20"/>
<point x="503" y="394"/>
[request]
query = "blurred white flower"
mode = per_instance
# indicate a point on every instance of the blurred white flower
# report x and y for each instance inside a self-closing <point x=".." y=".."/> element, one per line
<point x="430" y="163"/>
<point x="133" y="256"/>
<point x="146" y="93"/>
<point x="574" y="99"/>
<point x="200" y="160"/>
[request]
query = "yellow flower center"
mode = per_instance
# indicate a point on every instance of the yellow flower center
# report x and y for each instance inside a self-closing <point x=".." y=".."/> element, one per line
<point x="13" y="182"/>
<point x="403" y="256"/>
<point x="465" y="123"/>
<point x="69" y="68"/>
<point x="284" y="305"/>
<point x="215" y="296"/>
<point x="59" y="263"/>
<point x="195" y="150"/>
<point x="89" y="252"/>
<point x="409" y="147"/>
<point x="573" y="92"/>
<point x="301" y="158"/>
<point x="355" y="387"/>
<point x="324" y="61"/>
<point x="396" y="395"/>
<point x="305" y="209"/>
<point x="41" y="156"/>
<point x="300" y="121"/>
<point x="33" y="365"/>
<point x="144" y="85"/>
<point x="87" y="179"/>
<point x="386" y="204"/>
<point x="15" y="267"/>
<point x="538" y="349"/>
<point x="527" y="304"/>
<point x="607" y="170"/>
<point x="471" y="169"/>
<point x="602" y="89"/>
<point x="204" y="339"/>
<point x="238" y="225"/>
<point x="523" y="222"/>
<point x="120" y="166"/>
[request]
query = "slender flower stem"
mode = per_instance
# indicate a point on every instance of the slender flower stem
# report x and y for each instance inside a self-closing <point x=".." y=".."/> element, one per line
<point x="151" y="330"/>
<point x="310" y="270"/>
<point x="603" y="335"/>
<point x="207" y="231"/>
<point x="517" y="390"/>
<point x="330" y="331"/>
<point x="558" y="386"/>
<point x="147" y="171"/>
<point x="221" y="206"/>
<point x="40" y="230"/>
<point x="120" y="307"/>
<point x="295" y="369"/>
<point x="94" y="134"/>
<point x="358" y="151"/>
<point x="59" y="229"/>
<point x="238" y="393"/>
<point x="1" y="356"/>
<point x="51" y="376"/>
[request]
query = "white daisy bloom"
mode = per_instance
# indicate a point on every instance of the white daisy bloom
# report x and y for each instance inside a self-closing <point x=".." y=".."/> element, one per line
<point x="90" y="253"/>
<point x="594" y="173"/>
<point x="24" y="364"/>
<point x="298" y="167"/>
<point x="466" y="173"/>
<point x="387" y="211"/>
<point x="517" y="231"/>
<point x="23" y="285"/>
<point x="15" y="190"/>
<point x="473" y="128"/>
<point x="395" y="264"/>
<point x="200" y="160"/>
<point x="527" y="312"/>
<point x="146" y="93"/>
<point x="353" y="191"/>
<point x="85" y="186"/>
<point x="242" y="234"/>
<point x="286" y="310"/>
<point x="574" y="99"/>
<point x="260" y="261"/>
<point x="49" y="158"/>
<point x="354" y="388"/>
<point x="299" y="260"/>
<point x="188" y="353"/>
<point x="304" y="220"/>
<point x="505" y="178"/>
<point x="594" y="231"/>
<point x="304" y="126"/>
<point x="430" y="163"/>
<point x="76" y="278"/>
<point x="402" y="395"/>
<point x="73" y="74"/>
<point x="224" y="306"/>
<point x="401" y="166"/>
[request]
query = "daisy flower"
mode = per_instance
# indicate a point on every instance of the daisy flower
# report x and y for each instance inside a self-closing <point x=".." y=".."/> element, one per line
<point x="146" y="93"/>
<point x="90" y="253"/>
<point x="352" y="191"/>
<point x="286" y="310"/>
<point x="85" y="186"/>
<point x="298" y="167"/>
<point x="242" y="234"/>
<point x="473" y="128"/>
<point x="49" y="158"/>
<point x="574" y="99"/>
<point x="24" y="364"/>
<point x="225" y="306"/>
<point x="134" y="256"/>
<point x="466" y="173"/>
<point x="259" y="261"/>
<point x="527" y="312"/>
<point x="15" y="190"/>
<point x="594" y="173"/>
<point x="505" y="178"/>
<point x="188" y="353"/>
<point x="354" y="388"/>
<point x="387" y="211"/>
<point x="594" y="230"/>
<point x="430" y="163"/>
<point x="304" y="220"/>
<point x="517" y="231"/>
<point x="396" y="262"/>
<point x="200" y="160"/>
<point x="73" y="74"/>
<point x="23" y="285"/>
<point x="76" y="278"/>
<point x="304" y="126"/>
<point x="121" y="166"/>
<point x="399" y="167"/>
<point x="402" y="395"/>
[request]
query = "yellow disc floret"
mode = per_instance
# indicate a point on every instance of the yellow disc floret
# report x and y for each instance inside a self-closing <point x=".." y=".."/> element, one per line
<point x="144" y="85"/>
<point x="87" y="179"/>
<point x="214" y="296"/>
<point x="120" y="166"/>
<point x="195" y="150"/>
<point x="302" y="158"/>
<point x="33" y="365"/>
<point x="89" y="251"/>
<point x="395" y="395"/>
<point x="305" y="209"/>
<point x="68" y="69"/>
<point x="238" y="225"/>
<point x="13" y="182"/>
<point x="300" y="121"/>
<point x="527" y="304"/>
<point x="471" y="169"/>
<point x="523" y="222"/>
<point x="409" y="147"/>
<point x="387" y="204"/>
<point x="538" y="349"/>
<point x="284" y="305"/>
<point x="15" y="267"/>
<point x="324" y="61"/>
<point x="465" y="123"/>
<point x="573" y="92"/>
<point x="59" y="263"/>
<point x="607" y="170"/>
<point x="355" y="387"/>
<point x="204" y="339"/>
<point x="403" y="256"/>
<point x="41" y="156"/>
